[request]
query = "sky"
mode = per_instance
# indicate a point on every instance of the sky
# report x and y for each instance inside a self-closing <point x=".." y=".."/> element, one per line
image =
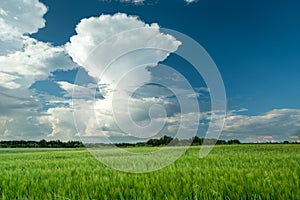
<point x="53" y="83"/>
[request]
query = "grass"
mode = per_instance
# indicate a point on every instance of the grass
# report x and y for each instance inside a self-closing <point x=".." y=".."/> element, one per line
<point x="228" y="172"/>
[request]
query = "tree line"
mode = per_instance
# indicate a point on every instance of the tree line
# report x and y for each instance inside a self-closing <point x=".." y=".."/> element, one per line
<point x="40" y="144"/>
<point x="165" y="140"/>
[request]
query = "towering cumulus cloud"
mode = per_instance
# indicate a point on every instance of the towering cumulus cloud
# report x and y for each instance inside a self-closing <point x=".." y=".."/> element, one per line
<point x="93" y="31"/>
<point x="114" y="49"/>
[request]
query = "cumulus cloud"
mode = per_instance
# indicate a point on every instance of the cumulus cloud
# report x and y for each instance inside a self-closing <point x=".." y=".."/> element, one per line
<point x="117" y="50"/>
<point x="275" y="125"/>
<point x="60" y="122"/>
<point x="30" y="60"/>
<point x="19" y="17"/>
<point x="18" y="118"/>
<point x="80" y="92"/>
<point x="93" y="31"/>
<point x="33" y="62"/>
<point x="18" y="71"/>
<point x="23" y="61"/>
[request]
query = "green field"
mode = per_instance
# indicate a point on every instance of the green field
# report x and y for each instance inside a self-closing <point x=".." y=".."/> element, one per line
<point x="228" y="172"/>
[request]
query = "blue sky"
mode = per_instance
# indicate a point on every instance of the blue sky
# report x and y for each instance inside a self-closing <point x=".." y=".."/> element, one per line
<point x="255" y="45"/>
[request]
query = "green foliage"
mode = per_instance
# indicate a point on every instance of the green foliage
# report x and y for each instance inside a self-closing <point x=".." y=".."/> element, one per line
<point x="157" y="142"/>
<point x="228" y="172"/>
<point x="41" y="144"/>
<point x="167" y="140"/>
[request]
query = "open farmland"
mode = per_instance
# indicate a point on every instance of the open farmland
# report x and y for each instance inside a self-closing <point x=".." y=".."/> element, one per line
<point x="228" y="172"/>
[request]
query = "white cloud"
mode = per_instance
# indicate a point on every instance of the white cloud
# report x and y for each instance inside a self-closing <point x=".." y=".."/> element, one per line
<point x="94" y="31"/>
<point x="125" y="40"/>
<point x="60" y="120"/>
<point x="18" y="118"/>
<point x="19" y="17"/>
<point x="23" y="61"/>
<point x="191" y="1"/>
<point x="80" y="92"/>
<point x="8" y="81"/>
<point x="143" y="2"/>
<point x="275" y="125"/>
<point x="279" y="124"/>
<point x="29" y="60"/>
<point x="133" y="1"/>
<point x="35" y="61"/>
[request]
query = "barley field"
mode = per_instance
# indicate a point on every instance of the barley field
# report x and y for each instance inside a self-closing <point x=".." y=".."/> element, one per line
<point x="228" y="172"/>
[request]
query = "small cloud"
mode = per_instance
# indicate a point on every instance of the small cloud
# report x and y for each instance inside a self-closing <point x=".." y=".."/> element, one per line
<point x="80" y="92"/>
<point x="295" y="137"/>
<point x="190" y="1"/>
<point x="144" y="2"/>
<point x="136" y="2"/>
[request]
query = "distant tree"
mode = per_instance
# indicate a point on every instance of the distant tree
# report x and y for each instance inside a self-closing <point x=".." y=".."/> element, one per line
<point x="43" y="143"/>
<point x="233" y="142"/>
<point x="221" y="142"/>
<point x="153" y="142"/>
<point x="197" y="140"/>
<point x="166" y="140"/>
